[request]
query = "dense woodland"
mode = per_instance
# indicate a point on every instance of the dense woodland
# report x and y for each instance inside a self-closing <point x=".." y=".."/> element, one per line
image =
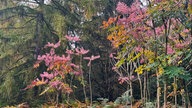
<point x="96" y="53"/>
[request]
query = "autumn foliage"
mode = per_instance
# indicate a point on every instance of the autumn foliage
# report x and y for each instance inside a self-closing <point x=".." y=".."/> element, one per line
<point x="151" y="39"/>
<point x="58" y="67"/>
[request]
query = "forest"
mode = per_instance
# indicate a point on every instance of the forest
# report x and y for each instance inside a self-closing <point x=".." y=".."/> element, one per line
<point x="96" y="53"/>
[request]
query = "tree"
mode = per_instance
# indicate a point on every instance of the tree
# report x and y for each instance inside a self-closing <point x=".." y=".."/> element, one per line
<point x="150" y="37"/>
<point x="25" y="29"/>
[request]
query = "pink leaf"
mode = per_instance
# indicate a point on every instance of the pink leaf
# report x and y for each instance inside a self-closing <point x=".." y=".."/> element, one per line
<point x="47" y="75"/>
<point x="91" y="58"/>
<point x="52" y="45"/>
<point x="74" y="38"/>
<point x="81" y="51"/>
<point x="41" y="57"/>
<point x="122" y="8"/>
<point x="52" y="51"/>
<point x="95" y="57"/>
<point x="142" y="61"/>
<point x="170" y="50"/>
<point x="57" y="44"/>
<point x="55" y="84"/>
<point x="77" y="73"/>
<point x="186" y="30"/>
<point x="138" y="49"/>
<point x="69" y="51"/>
<point x="87" y="58"/>
<point x="123" y="79"/>
<point x="74" y="65"/>
<point x="111" y="55"/>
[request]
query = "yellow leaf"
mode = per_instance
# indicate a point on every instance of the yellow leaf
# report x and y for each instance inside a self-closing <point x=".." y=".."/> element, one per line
<point x="44" y="91"/>
<point x="137" y="56"/>
<point x="190" y="8"/>
<point x="183" y="34"/>
<point x="180" y="62"/>
<point x="160" y="70"/>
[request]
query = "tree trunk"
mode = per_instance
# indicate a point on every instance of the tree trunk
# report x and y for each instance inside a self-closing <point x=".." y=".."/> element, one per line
<point x="141" y="88"/>
<point x="131" y="94"/>
<point x="165" y="94"/>
<point x="166" y="49"/>
<point x="131" y="70"/>
<point x="158" y="90"/>
<point x="148" y="88"/>
<point x="145" y="88"/>
<point x="38" y="30"/>
<point x="83" y="80"/>
<point x="175" y="91"/>
<point x="186" y="95"/>
<point x="90" y="86"/>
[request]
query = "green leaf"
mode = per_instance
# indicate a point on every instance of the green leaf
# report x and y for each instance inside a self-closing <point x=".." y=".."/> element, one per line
<point x="174" y="71"/>
<point x="155" y="64"/>
<point x="188" y="56"/>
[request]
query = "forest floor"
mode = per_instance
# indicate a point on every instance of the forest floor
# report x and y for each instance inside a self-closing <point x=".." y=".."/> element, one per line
<point x="83" y="105"/>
